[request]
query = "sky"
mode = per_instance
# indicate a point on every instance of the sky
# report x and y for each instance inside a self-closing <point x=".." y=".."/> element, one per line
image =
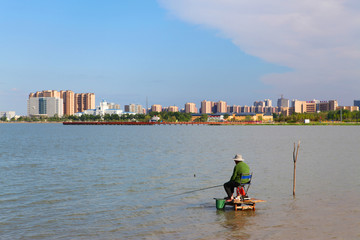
<point x="176" y="51"/>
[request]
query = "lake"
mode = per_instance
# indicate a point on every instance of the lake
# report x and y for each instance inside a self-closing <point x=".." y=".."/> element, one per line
<point x="120" y="182"/>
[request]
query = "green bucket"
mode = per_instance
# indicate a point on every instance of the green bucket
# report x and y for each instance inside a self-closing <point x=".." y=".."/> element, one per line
<point x="220" y="203"/>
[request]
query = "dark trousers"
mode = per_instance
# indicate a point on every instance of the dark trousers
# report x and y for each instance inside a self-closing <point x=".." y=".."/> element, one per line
<point x="229" y="187"/>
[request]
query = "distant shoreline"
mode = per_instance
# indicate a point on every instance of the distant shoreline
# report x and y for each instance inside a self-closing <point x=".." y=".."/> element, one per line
<point x="193" y="123"/>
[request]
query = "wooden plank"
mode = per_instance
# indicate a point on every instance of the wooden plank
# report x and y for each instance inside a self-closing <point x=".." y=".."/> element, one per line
<point x="245" y="207"/>
<point x="248" y="204"/>
<point x="248" y="201"/>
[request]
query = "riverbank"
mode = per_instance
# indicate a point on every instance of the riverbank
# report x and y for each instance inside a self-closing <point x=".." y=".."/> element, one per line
<point x="335" y="123"/>
<point x="210" y="123"/>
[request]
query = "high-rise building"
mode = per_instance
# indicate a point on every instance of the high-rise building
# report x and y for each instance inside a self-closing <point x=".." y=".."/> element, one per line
<point x="221" y="107"/>
<point x="297" y="106"/>
<point x="140" y="109"/>
<point x="190" y="108"/>
<point x="268" y="103"/>
<point x="45" y="103"/>
<point x="349" y="108"/>
<point x="259" y="109"/>
<point x="173" y="109"/>
<point x="113" y="106"/>
<point x="269" y="110"/>
<point x="323" y="106"/>
<point x="69" y="102"/>
<point x="245" y="109"/>
<point x="310" y="106"/>
<point x="45" y="106"/>
<point x="214" y="108"/>
<point x="72" y="103"/>
<point x="234" y="109"/>
<point x="283" y="102"/>
<point x="259" y="104"/>
<point x="130" y="108"/>
<point x="156" y="108"/>
<point x="333" y="104"/>
<point x="84" y="101"/>
<point x="134" y="108"/>
<point x="206" y="107"/>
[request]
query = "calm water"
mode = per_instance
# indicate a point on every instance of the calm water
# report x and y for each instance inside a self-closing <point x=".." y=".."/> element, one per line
<point x="111" y="182"/>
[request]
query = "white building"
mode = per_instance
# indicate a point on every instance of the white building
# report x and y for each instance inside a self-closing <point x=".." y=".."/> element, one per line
<point x="9" y="114"/>
<point x="45" y="106"/>
<point x="215" y="118"/>
<point x="101" y="110"/>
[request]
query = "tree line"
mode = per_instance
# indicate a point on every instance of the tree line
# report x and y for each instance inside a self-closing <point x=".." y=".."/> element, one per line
<point x="164" y="116"/>
<point x="339" y="115"/>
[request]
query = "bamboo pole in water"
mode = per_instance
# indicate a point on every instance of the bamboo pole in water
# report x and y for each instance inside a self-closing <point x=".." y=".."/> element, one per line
<point x="295" y="159"/>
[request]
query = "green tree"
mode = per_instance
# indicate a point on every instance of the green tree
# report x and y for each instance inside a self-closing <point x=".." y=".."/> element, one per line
<point x="204" y="118"/>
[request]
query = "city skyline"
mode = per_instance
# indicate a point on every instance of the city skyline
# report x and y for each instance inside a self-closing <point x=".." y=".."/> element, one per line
<point x="171" y="51"/>
<point x="60" y="103"/>
<point x="72" y="103"/>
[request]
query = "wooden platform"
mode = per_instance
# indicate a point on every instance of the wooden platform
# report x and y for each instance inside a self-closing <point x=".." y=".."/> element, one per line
<point x="248" y="204"/>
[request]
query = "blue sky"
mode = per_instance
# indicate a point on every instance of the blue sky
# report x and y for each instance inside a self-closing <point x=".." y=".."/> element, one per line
<point x="171" y="52"/>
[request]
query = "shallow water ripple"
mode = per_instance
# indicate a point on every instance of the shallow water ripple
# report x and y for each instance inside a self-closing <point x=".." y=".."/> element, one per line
<point x="120" y="182"/>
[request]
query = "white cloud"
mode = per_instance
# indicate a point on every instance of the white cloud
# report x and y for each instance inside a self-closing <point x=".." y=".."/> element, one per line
<point x="319" y="40"/>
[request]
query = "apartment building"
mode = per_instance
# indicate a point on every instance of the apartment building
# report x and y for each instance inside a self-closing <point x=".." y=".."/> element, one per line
<point x="134" y="108"/>
<point x="190" y="108"/>
<point x="173" y="109"/>
<point x="268" y="103"/>
<point x="283" y="102"/>
<point x="221" y="107"/>
<point x="68" y="102"/>
<point x="349" y="108"/>
<point x="45" y="106"/>
<point x="333" y="104"/>
<point x="156" y="108"/>
<point x="113" y="106"/>
<point x="84" y="101"/>
<point x="312" y="106"/>
<point x="234" y="109"/>
<point x="48" y="101"/>
<point x="206" y="107"/>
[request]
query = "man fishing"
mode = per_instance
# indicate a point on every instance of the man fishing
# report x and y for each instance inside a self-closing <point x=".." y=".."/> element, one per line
<point x="235" y="180"/>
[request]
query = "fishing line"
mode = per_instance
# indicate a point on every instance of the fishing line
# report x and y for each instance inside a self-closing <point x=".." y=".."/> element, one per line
<point x="201" y="189"/>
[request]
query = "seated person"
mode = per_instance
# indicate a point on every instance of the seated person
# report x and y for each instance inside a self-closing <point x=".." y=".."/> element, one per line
<point x="235" y="180"/>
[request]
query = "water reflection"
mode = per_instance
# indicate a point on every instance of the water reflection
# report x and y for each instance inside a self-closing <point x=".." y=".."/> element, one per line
<point x="235" y="222"/>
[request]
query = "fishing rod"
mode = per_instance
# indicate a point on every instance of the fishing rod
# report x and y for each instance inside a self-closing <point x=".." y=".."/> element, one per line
<point x="201" y="189"/>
